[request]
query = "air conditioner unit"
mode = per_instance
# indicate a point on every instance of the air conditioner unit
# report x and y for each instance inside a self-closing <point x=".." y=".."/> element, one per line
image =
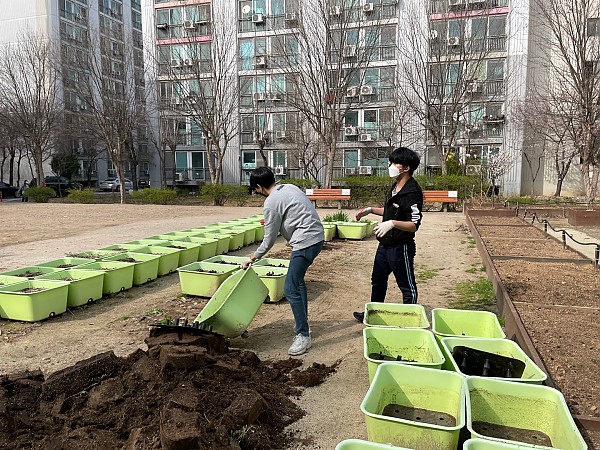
<point x="433" y="35"/>
<point x="82" y="107"/>
<point x="258" y="18"/>
<point x="176" y="101"/>
<point x="349" y="171"/>
<point x="455" y="2"/>
<point x="473" y="169"/>
<point x="350" y="131"/>
<point x="365" y="170"/>
<point x="280" y="134"/>
<point x="349" y="51"/>
<point x="366" y="90"/>
<point x="291" y="17"/>
<point x="336" y="11"/>
<point x="367" y="7"/>
<point x="260" y="61"/>
<point x="453" y="41"/>
<point x="249" y="166"/>
<point x="162" y="26"/>
<point x="473" y="87"/>
<point x="189" y="25"/>
<point x="352" y="91"/>
<point x="279" y="170"/>
<point x="179" y="176"/>
<point x="259" y="96"/>
<point x="175" y="63"/>
<point x="188" y="62"/>
<point x="275" y="96"/>
<point x="365" y="137"/>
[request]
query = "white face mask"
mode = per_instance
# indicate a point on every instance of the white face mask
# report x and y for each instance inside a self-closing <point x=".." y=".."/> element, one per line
<point x="394" y="171"/>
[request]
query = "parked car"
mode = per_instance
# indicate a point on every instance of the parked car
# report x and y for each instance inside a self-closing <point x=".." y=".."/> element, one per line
<point x="112" y="184"/>
<point x="8" y="190"/>
<point x="143" y="183"/>
<point x="61" y="185"/>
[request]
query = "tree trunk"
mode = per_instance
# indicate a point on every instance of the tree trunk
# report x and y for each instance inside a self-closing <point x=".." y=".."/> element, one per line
<point x="559" y="184"/>
<point x="589" y="173"/>
<point x="174" y="169"/>
<point x="39" y="167"/>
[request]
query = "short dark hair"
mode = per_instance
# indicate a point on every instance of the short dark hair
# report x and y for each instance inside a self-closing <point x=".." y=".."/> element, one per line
<point x="262" y="176"/>
<point x="406" y="157"/>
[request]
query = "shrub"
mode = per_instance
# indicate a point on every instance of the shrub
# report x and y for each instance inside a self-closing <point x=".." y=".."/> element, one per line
<point x="218" y="194"/>
<point x="240" y="195"/>
<point x="366" y="191"/>
<point x="302" y="183"/>
<point x="81" y="196"/>
<point x="337" y="217"/>
<point x="154" y="196"/>
<point x="466" y="186"/>
<point x="39" y="194"/>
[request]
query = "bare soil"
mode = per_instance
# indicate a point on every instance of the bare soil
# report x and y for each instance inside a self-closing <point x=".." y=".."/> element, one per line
<point x="510" y="231"/>
<point x="537" y="248"/>
<point x="338" y="284"/>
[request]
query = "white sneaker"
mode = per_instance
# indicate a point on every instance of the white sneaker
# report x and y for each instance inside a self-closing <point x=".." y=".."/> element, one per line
<point x="300" y="345"/>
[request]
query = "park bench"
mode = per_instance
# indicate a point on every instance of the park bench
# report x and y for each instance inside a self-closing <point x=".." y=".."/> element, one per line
<point x="443" y="197"/>
<point x="328" y="194"/>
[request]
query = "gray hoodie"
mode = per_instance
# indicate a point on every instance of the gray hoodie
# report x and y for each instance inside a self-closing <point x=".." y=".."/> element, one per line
<point x="288" y="211"/>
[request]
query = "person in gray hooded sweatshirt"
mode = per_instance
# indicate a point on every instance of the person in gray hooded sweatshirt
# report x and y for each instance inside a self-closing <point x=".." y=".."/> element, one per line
<point x="288" y="211"/>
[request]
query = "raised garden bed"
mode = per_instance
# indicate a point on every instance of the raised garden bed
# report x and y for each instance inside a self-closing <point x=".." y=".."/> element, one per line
<point x="540" y="248"/>
<point x="510" y="231"/>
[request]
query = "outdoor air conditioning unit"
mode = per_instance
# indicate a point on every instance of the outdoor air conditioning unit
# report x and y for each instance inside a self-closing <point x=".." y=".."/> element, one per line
<point x="336" y="11"/>
<point x="349" y="51"/>
<point x="188" y="62"/>
<point x="175" y="63"/>
<point x="82" y="107"/>
<point x="352" y="92"/>
<point x="280" y="134"/>
<point x="455" y="2"/>
<point x="249" y="166"/>
<point x="367" y="7"/>
<point x="279" y="170"/>
<point x="348" y="171"/>
<point x="366" y="90"/>
<point x="189" y="25"/>
<point x="365" y="170"/>
<point x="259" y="96"/>
<point x="350" y="131"/>
<point x="453" y="41"/>
<point x="162" y="26"/>
<point x="258" y="18"/>
<point x="365" y="137"/>
<point x="433" y="35"/>
<point x="260" y="61"/>
<point x="291" y="17"/>
<point x="179" y="176"/>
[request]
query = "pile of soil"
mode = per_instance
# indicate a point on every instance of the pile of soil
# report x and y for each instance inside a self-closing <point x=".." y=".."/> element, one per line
<point x="187" y="391"/>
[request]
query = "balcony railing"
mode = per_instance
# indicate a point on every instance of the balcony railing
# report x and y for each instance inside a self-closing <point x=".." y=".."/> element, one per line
<point x="442" y="6"/>
<point x="189" y="175"/>
<point x="442" y="47"/>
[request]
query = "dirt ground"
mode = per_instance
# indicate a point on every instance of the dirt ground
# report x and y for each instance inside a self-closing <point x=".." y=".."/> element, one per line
<point x="338" y="284"/>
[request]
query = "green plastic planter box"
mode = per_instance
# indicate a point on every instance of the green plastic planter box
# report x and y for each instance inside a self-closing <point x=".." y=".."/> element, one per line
<point x="358" y="444"/>
<point x="203" y="284"/>
<point x="411" y="387"/>
<point x="351" y="230"/>
<point x="145" y="266"/>
<point x="417" y="347"/>
<point x="33" y="306"/>
<point x="85" y="286"/>
<point x="274" y="279"/>
<point x="272" y="262"/>
<point x="236" y="238"/>
<point x="188" y="251"/>
<point x="118" y="276"/>
<point x="541" y="409"/>
<point x="370" y="228"/>
<point x="64" y="263"/>
<point x="123" y="247"/>
<point x="227" y="259"/>
<point x="465" y="323"/>
<point x="23" y="271"/>
<point x="260" y="232"/>
<point x="484" y="444"/>
<point x="208" y="247"/>
<point x="330" y="229"/>
<point x="145" y="242"/>
<point x="222" y="241"/>
<point x="168" y="258"/>
<point x="395" y="315"/>
<point x="503" y="347"/>
<point x="234" y="304"/>
<point x="249" y="233"/>
<point x="5" y="280"/>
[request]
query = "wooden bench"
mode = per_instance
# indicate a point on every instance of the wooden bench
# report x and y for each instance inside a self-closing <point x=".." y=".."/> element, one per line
<point x="328" y="194"/>
<point x="443" y="197"/>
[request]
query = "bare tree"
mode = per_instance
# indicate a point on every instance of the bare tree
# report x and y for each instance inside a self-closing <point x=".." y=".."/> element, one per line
<point x="30" y="104"/>
<point x="568" y="37"/>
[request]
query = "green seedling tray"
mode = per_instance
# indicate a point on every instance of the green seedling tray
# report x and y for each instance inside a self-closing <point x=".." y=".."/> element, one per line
<point x="118" y="276"/>
<point x="415" y="387"/>
<point x="502" y="347"/>
<point x="71" y="262"/>
<point x="145" y="268"/>
<point x="203" y="284"/>
<point x="274" y="279"/>
<point x="465" y="323"/>
<point x="272" y="262"/>
<point x="188" y="251"/>
<point x="5" y="280"/>
<point x="85" y="286"/>
<point x="351" y="230"/>
<point x="22" y="271"/>
<point x="395" y="315"/>
<point x="208" y="247"/>
<point x="168" y="258"/>
<point x="539" y="409"/>
<point x="415" y="346"/>
<point x="33" y="306"/>
<point x="234" y="304"/>
<point x="358" y="444"/>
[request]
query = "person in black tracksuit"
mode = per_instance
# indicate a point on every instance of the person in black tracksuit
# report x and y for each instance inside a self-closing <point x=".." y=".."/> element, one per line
<point x="402" y="216"/>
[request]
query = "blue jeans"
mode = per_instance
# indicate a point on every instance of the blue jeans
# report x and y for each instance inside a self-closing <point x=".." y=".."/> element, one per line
<point x="295" y="288"/>
<point x="399" y="261"/>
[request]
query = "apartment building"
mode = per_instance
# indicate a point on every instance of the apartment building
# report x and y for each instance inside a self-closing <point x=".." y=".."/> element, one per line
<point x="74" y="24"/>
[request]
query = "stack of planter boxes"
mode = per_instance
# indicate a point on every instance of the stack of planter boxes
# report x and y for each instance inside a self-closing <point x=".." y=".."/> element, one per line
<point x="424" y="388"/>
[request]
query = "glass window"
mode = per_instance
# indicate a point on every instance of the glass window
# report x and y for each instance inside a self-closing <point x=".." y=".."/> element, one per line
<point x="351" y="158"/>
<point x="249" y="157"/>
<point x="176" y="16"/>
<point x="277" y="7"/>
<point x="279" y="158"/>
<point x="593" y="27"/>
<point x="497" y="26"/>
<point x="351" y="119"/>
<point x="479" y="28"/>
<point x="352" y="37"/>
<point x="247" y="54"/>
<point x="197" y="160"/>
<point x="260" y="6"/>
<point x="371" y="119"/>
<point x="495" y="70"/>
<point x="454" y="28"/>
<point x="181" y="161"/>
<point x="372" y="77"/>
<point x="476" y="114"/>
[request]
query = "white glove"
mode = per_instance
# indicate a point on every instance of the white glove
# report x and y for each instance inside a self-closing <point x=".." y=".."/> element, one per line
<point x="247" y="263"/>
<point x="381" y="229"/>
<point x="363" y="212"/>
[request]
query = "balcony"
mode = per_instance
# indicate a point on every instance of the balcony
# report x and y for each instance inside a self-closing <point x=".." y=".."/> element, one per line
<point x="193" y="175"/>
<point x="439" y="47"/>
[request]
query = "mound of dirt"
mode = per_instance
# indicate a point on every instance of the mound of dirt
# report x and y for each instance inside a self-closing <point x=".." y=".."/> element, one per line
<point x="185" y="392"/>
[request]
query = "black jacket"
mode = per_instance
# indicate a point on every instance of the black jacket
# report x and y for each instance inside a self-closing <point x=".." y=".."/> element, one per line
<point x="406" y="206"/>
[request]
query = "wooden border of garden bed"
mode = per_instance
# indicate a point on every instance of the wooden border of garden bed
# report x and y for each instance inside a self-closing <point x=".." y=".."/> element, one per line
<point x="514" y="327"/>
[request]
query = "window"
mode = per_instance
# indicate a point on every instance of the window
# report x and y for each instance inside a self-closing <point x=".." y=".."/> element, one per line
<point x="351" y="158"/>
<point x="593" y="27"/>
<point x="497" y="26"/>
<point x="181" y="160"/>
<point x="495" y="70"/>
<point x="278" y="158"/>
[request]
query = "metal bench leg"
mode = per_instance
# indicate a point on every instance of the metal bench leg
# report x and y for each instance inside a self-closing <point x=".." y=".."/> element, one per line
<point x="339" y="205"/>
